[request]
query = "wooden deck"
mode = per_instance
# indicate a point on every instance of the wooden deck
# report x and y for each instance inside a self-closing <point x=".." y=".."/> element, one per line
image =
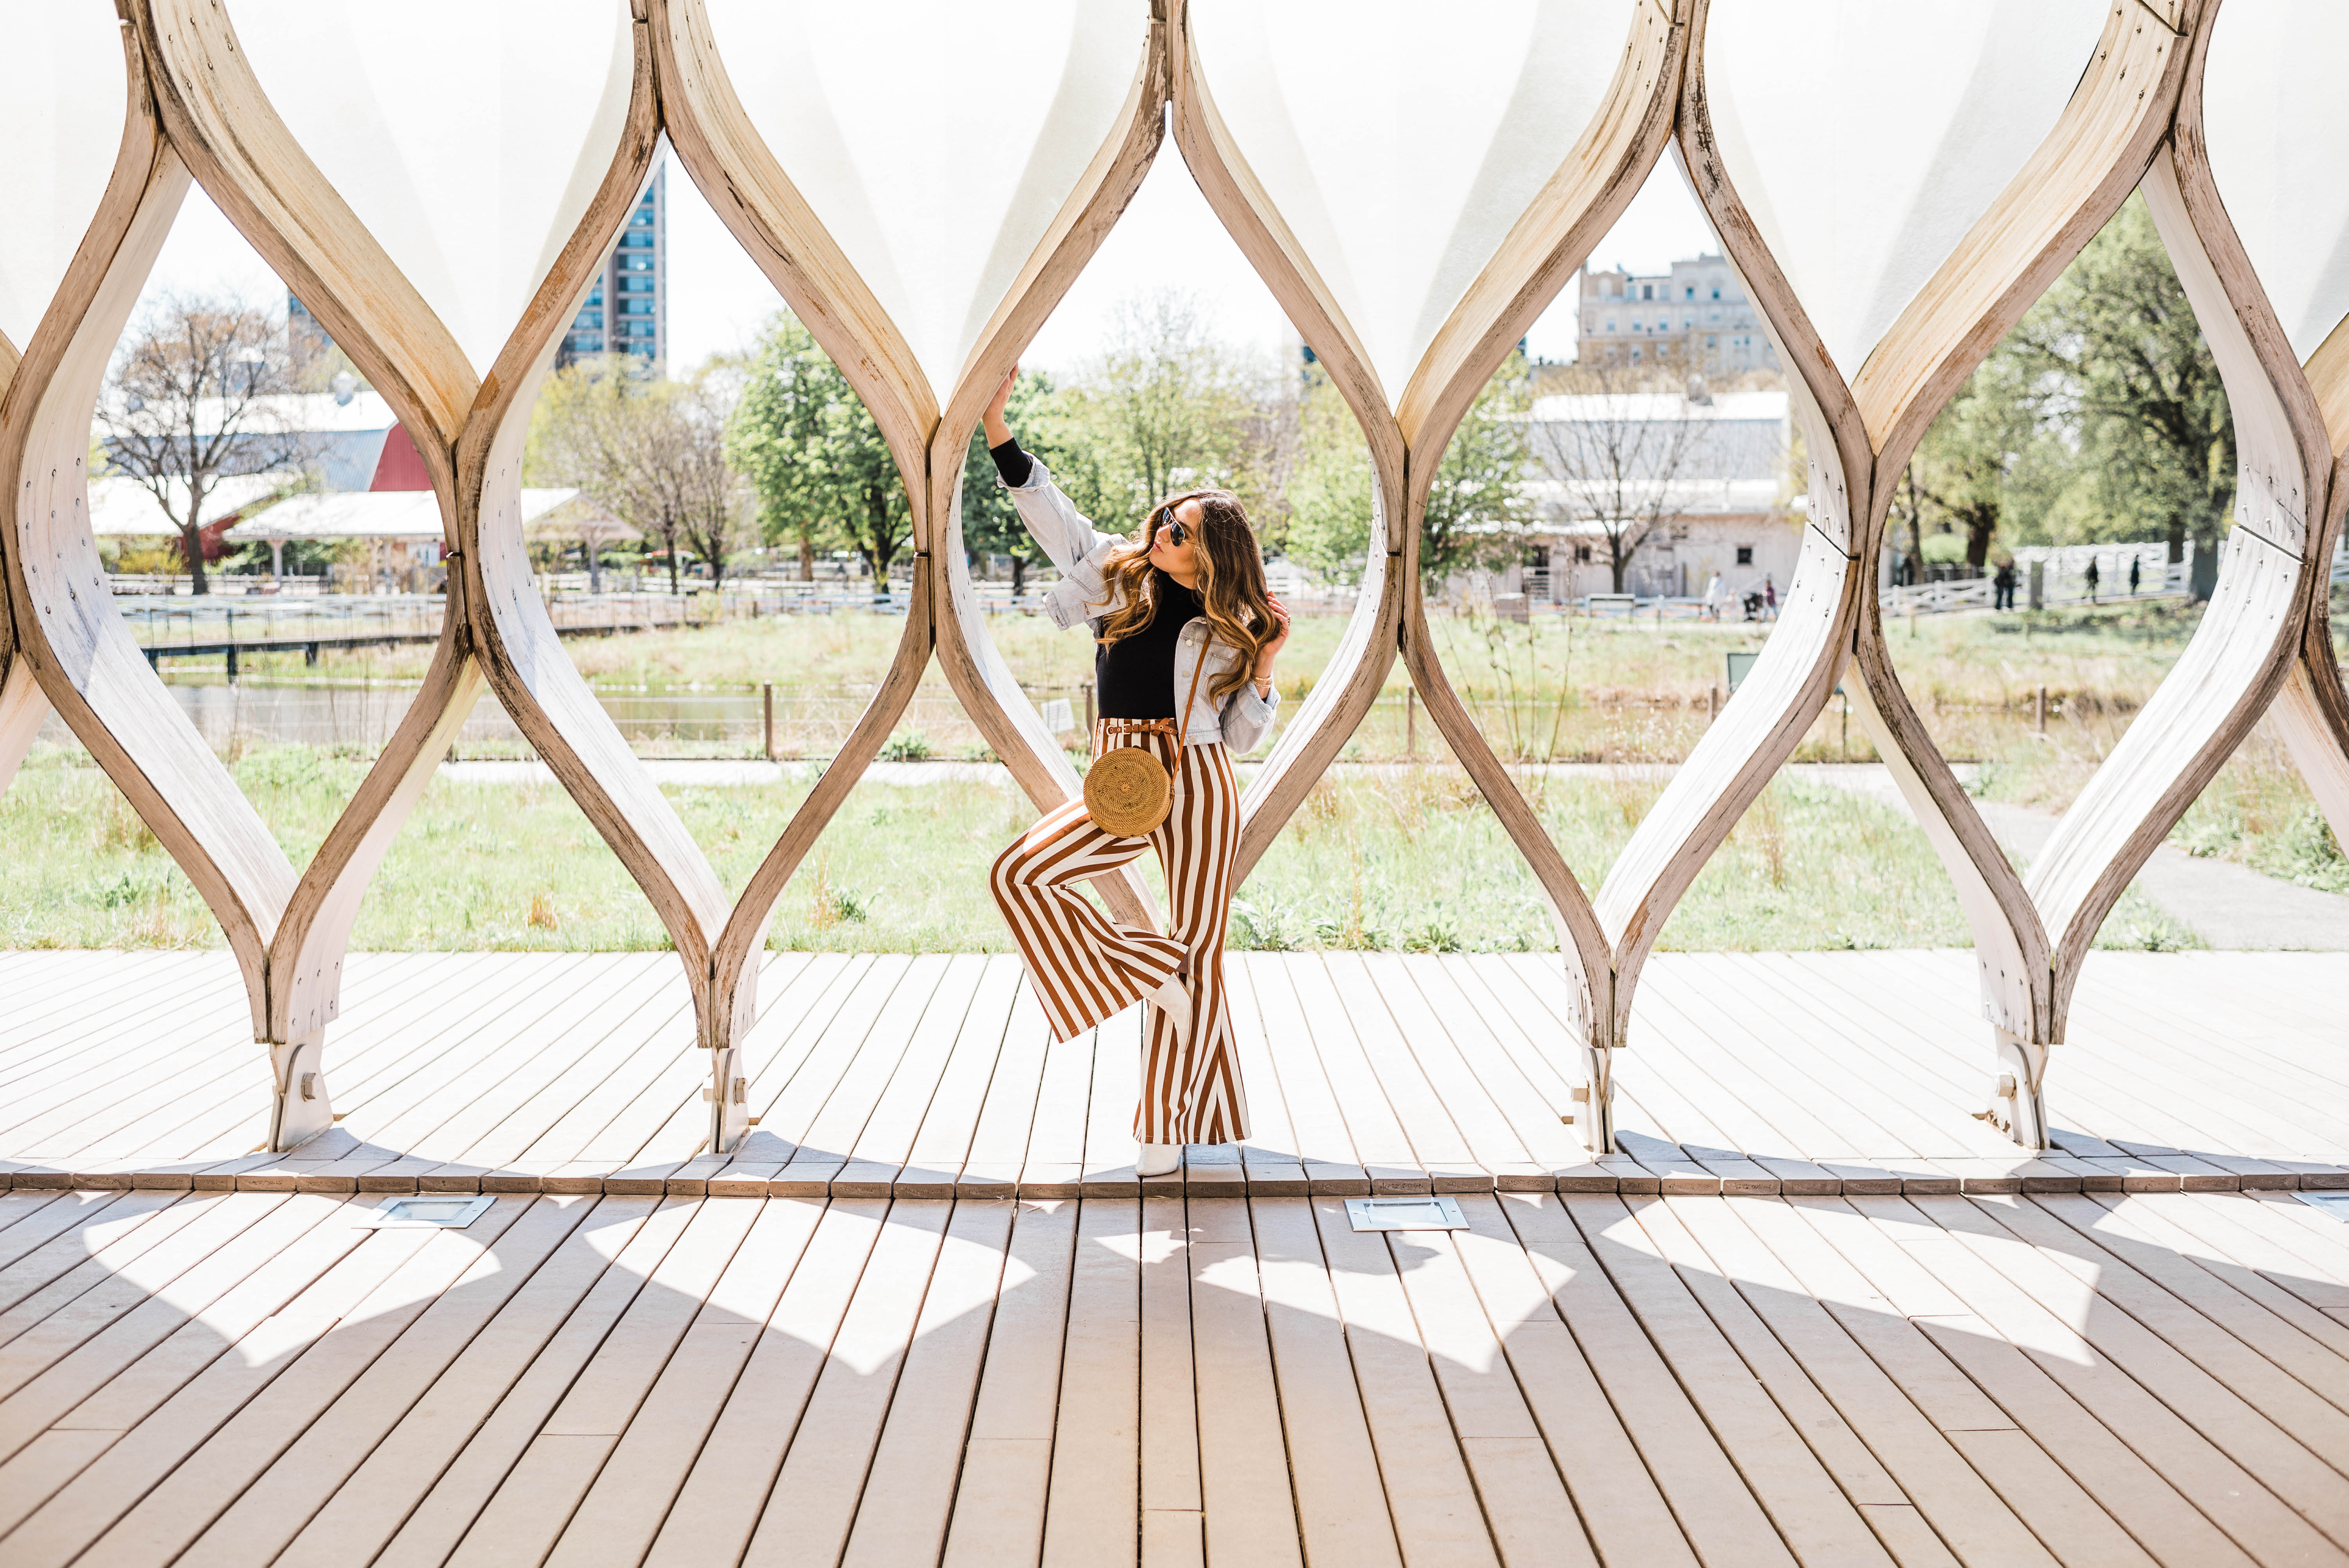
<point x="1811" y="1321"/>
<point x="931" y="1076"/>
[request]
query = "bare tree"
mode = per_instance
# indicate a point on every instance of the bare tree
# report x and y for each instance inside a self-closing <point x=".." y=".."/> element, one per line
<point x="198" y="391"/>
<point x="715" y="504"/>
<point x="602" y="425"/>
<point x="1616" y="449"/>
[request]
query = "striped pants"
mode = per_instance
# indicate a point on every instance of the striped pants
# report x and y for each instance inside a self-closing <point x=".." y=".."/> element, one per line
<point x="1086" y="968"/>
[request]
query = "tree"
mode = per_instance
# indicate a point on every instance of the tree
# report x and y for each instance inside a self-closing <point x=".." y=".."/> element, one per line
<point x="1616" y="449"/>
<point x="2116" y="360"/>
<point x="991" y="523"/>
<point x="1170" y="402"/>
<point x="1987" y="459"/>
<point x="814" y="457"/>
<point x="198" y="391"/>
<point x="1331" y="487"/>
<point x="604" y="425"/>
<point x="712" y="498"/>
<point x="1477" y="507"/>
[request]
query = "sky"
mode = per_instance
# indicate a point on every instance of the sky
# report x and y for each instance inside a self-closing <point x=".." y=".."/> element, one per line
<point x="1168" y="237"/>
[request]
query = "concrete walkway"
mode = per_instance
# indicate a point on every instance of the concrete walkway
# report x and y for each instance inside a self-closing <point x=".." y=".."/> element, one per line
<point x="2228" y="905"/>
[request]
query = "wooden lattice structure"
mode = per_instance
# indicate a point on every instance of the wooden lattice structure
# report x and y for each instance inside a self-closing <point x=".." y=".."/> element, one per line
<point x="1896" y="184"/>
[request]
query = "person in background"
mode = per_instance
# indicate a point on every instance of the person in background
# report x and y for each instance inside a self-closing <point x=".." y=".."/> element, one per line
<point x="2136" y="569"/>
<point x="2002" y="585"/>
<point x="1769" y="598"/>
<point x="2093" y="575"/>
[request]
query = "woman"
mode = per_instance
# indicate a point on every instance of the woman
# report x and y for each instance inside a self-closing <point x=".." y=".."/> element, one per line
<point x="1185" y="632"/>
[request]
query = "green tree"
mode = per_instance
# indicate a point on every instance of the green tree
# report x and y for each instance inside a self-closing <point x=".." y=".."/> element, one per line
<point x="1331" y="487"/>
<point x="991" y="523"/>
<point x="1989" y="464"/>
<point x="1478" y="506"/>
<point x="2117" y="362"/>
<point x="1167" y="408"/>
<point x="813" y="456"/>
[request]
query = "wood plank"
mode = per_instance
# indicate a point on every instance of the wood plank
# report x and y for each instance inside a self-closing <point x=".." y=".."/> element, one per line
<point x="1324" y="1145"/>
<point x="1249" y="1509"/>
<point x="1268" y="1158"/>
<point x="1436" y="1140"/>
<point x="1968" y="1256"/>
<point x="75" y="1480"/>
<point x="1428" y="1486"/>
<point x="1527" y="1508"/>
<point x="812" y="1507"/>
<point x="110" y="1230"/>
<point x="999" y="1501"/>
<point x="718" y="1507"/>
<point x="942" y="1145"/>
<point x="1619" y="1508"/>
<point x="223" y="1501"/>
<point x="529" y="1510"/>
<point x="1803" y="1504"/>
<point x="1895" y="1391"/>
<point x="432" y="1531"/>
<point x="1095" y="1496"/>
<point x="1378" y="1137"/>
<point x="885" y="1144"/>
<point x="369" y="1507"/>
<point x="998" y="1144"/>
<point x="903" y="1513"/>
<point x="623" y="1511"/>
<point x="1334" y="1467"/>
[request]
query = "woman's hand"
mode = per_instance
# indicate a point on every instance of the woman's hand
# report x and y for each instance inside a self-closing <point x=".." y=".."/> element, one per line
<point x="1270" y="651"/>
<point x="997" y="432"/>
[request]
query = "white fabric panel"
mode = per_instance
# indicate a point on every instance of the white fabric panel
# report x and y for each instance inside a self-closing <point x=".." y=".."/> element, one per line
<point x="2276" y="122"/>
<point x="1400" y="142"/>
<point x="935" y="139"/>
<point x="61" y="121"/>
<point x="1866" y="138"/>
<point x="468" y="135"/>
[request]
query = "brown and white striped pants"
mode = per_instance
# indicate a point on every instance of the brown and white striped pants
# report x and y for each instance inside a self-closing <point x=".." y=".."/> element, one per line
<point x="1087" y="968"/>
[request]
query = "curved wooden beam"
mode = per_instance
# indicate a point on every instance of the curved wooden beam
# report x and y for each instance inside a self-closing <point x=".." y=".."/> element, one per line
<point x="2067" y="191"/>
<point x="721" y="148"/>
<point x="2251" y="633"/>
<point x="255" y="167"/>
<point x="76" y="644"/>
<point x="1578" y="201"/>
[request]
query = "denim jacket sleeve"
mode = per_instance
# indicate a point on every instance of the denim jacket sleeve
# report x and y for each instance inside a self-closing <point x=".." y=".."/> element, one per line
<point x="1072" y="544"/>
<point x="1247" y="717"/>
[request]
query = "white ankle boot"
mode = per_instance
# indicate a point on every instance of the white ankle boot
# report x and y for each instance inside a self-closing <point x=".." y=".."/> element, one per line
<point x="1175" y="1001"/>
<point x="1158" y="1159"/>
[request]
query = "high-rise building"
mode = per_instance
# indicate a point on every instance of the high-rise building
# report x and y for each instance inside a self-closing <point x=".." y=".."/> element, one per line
<point x="1695" y="316"/>
<point x="626" y="311"/>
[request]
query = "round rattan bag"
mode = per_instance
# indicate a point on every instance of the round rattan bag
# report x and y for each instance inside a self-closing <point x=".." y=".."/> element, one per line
<point x="1127" y="791"/>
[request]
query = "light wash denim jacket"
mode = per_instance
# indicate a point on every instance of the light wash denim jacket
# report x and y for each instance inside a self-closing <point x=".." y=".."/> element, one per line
<point x="1082" y="552"/>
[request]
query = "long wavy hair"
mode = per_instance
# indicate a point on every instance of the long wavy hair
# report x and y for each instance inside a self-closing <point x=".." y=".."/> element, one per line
<point x="1231" y="582"/>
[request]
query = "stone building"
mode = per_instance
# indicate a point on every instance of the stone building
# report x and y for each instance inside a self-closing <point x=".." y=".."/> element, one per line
<point x="1697" y="314"/>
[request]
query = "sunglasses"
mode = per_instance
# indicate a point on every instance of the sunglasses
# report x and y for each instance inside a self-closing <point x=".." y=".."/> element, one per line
<point x="1175" y="530"/>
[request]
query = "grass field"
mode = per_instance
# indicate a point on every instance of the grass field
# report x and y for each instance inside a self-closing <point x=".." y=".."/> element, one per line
<point x="1412" y="860"/>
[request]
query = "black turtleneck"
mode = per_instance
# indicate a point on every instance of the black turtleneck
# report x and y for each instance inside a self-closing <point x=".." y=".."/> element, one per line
<point x="1136" y="674"/>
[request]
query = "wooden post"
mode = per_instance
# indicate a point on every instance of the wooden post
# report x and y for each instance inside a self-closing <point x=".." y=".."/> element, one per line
<point x="1712" y="702"/>
<point x="1410" y="721"/>
<point x="767" y="692"/>
<point x="1088" y="686"/>
<point x="2043" y="710"/>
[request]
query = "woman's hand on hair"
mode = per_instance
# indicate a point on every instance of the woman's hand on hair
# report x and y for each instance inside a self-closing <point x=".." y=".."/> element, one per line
<point x="997" y="432"/>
